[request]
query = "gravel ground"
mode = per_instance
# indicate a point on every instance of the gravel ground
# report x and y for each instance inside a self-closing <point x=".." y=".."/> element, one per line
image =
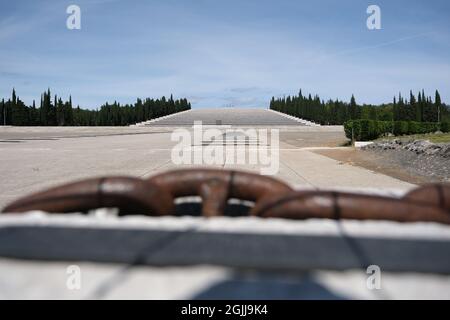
<point x="420" y="157"/>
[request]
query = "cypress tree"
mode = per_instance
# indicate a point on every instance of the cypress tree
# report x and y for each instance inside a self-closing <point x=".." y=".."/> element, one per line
<point x="395" y="113"/>
<point x="354" y="110"/>
<point x="51" y="114"/>
<point x="13" y="97"/>
<point x="2" y="113"/>
<point x="401" y="108"/>
<point x="69" y="112"/>
<point x="426" y="110"/>
<point x="438" y="105"/>
<point x="413" y="110"/>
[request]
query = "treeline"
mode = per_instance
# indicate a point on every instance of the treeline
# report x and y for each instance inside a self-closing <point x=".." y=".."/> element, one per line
<point x="53" y="111"/>
<point x="336" y="112"/>
<point x="366" y="130"/>
<point x="422" y="109"/>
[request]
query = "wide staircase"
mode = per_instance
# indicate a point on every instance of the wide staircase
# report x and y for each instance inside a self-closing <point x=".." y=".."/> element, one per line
<point x="226" y="116"/>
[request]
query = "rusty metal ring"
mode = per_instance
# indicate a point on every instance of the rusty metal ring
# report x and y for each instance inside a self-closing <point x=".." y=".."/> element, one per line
<point x="130" y="195"/>
<point x="156" y="195"/>
<point x="434" y="194"/>
<point x="342" y="205"/>
<point x="216" y="186"/>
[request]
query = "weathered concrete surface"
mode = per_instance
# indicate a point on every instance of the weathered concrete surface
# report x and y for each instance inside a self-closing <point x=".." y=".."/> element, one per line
<point x="114" y="281"/>
<point x="220" y="258"/>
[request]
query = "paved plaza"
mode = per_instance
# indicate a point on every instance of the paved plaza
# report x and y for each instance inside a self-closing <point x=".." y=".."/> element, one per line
<point x="37" y="158"/>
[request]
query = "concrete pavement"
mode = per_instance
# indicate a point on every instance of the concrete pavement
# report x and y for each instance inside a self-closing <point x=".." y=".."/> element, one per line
<point x="34" y="159"/>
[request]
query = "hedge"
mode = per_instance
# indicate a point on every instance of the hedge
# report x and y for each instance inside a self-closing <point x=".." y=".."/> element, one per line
<point x="365" y="130"/>
<point x="445" y="126"/>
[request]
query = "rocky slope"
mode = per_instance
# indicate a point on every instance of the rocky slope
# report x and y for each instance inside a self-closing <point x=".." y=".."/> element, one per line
<point x="420" y="157"/>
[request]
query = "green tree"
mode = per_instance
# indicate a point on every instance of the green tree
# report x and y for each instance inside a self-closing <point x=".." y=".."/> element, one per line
<point x="355" y="112"/>
<point x="413" y="114"/>
<point x="438" y="105"/>
<point x="3" y="113"/>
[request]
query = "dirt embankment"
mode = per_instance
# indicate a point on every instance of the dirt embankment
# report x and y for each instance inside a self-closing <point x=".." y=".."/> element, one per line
<point x="414" y="161"/>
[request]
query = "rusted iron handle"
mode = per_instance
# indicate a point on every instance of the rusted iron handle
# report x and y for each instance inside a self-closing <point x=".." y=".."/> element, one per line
<point x="216" y="186"/>
<point x="341" y="205"/>
<point x="272" y="198"/>
<point x="130" y="195"/>
<point x="436" y="194"/>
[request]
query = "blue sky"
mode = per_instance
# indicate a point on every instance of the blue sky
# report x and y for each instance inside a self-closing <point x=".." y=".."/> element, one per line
<point x="220" y="53"/>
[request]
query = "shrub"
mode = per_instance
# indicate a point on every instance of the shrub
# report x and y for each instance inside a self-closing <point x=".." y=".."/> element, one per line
<point x="414" y="127"/>
<point x="401" y="128"/>
<point x="384" y="127"/>
<point x="427" y="127"/>
<point x="363" y="130"/>
<point x="348" y="125"/>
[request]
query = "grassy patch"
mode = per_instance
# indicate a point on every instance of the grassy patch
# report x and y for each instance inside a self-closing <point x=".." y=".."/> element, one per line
<point x="435" y="138"/>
